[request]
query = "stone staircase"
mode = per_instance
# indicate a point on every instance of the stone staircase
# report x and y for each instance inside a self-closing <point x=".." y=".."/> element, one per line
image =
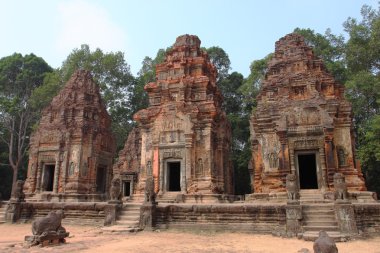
<point x="168" y="197"/>
<point x="312" y="196"/>
<point x="318" y="214"/>
<point x="128" y="219"/>
<point x="2" y="212"/>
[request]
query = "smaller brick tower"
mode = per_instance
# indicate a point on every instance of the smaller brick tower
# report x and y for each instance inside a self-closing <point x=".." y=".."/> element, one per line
<point x="72" y="149"/>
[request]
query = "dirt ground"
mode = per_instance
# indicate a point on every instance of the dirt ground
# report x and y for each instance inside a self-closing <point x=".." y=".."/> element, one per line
<point x="93" y="239"/>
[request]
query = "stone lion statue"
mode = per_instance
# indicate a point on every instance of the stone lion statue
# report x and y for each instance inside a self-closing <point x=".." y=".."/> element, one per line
<point x="324" y="244"/>
<point x="47" y="230"/>
<point x="50" y="223"/>
<point x="150" y="195"/>
<point x="115" y="189"/>
<point x="18" y="193"/>
<point x="292" y="187"/>
<point x="340" y="187"/>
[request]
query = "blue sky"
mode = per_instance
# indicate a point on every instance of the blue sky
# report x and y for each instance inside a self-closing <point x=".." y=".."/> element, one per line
<point x="245" y="29"/>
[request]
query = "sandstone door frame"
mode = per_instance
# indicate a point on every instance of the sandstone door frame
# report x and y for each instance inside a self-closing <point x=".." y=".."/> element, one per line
<point x="318" y="168"/>
<point x="44" y="184"/>
<point x="129" y="178"/>
<point x="166" y="183"/>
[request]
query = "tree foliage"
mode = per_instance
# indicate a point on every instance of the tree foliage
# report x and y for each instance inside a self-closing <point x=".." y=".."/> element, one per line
<point x="252" y="83"/>
<point x="221" y="61"/>
<point x="362" y="56"/>
<point x="19" y="76"/>
<point x="237" y="113"/>
<point x="147" y="74"/>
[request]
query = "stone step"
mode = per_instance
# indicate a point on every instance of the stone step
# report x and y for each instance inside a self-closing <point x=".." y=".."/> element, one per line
<point x="311" y="196"/>
<point x="312" y="202"/>
<point x="309" y="223"/>
<point x="134" y="209"/>
<point x="336" y="236"/>
<point x="317" y="209"/>
<point x="127" y="217"/>
<point x="120" y="228"/>
<point x="132" y="205"/>
<point x="130" y="212"/>
<point x="126" y="211"/>
<point x="319" y="212"/>
<point x="324" y="218"/>
<point x="319" y="228"/>
<point x="321" y="205"/>
<point x="128" y="223"/>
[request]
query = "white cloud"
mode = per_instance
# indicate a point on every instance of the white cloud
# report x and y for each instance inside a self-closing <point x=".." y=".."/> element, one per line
<point x="82" y="22"/>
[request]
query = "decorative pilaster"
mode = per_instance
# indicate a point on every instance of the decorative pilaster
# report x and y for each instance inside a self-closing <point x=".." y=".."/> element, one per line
<point x="344" y="213"/>
<point x="56" y="174"/>
<point x="39" y="175"/>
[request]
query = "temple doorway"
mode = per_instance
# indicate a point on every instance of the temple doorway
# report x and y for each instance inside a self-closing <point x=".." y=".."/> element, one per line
<point x="48" y="179"/>
<point x="126" y="188"/>
<point x="174" y="176"/>
<point x="101" y="177"/>
<point x="307" y="170"/>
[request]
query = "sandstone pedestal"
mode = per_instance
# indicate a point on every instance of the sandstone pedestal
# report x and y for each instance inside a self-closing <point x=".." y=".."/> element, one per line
<point x="293" y="219"/>
<point x="344" y="212"/>
<point x="50" y="238"/>
<point x="148" y="216"/>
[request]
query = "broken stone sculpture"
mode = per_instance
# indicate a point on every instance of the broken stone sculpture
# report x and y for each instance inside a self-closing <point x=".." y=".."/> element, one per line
<point x="115" y="189"/>
<point x="18" y="194"/>
<point x="340" y="187"/>
<point x="150" y="195"/>
<point x="47" y="230"/>
<point x="324" y="244"/>
<point x="292" y="187"/>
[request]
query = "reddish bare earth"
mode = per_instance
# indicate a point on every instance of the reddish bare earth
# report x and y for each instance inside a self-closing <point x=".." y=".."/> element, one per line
<point x="93" y="239"/>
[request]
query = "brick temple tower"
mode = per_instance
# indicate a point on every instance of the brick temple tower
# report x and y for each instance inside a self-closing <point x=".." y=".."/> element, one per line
<point x="302" y="124"/>
<point x="185" y="135"/>
<point x="72" y="149"/>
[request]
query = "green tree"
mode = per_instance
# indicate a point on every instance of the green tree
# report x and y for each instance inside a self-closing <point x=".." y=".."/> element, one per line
<point x="221" y="61"/>
<point x="363" y="89"/>
<point x="237" y="110"/>
<point x="252" y="84"/>
<point x="369" y="153"/>
<point x="147" y="74"/>
<point x="19" y="76"/>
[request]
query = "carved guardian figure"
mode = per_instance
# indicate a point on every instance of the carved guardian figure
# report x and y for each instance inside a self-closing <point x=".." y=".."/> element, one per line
<point x="115" y="189"/>
<point x="292" y="187"/>
<point x="52" y="222"/>
<point x="150" y="195"/>
<point x="47" y="230"/>
<point x="340" y="187"/>
<point x="18" y="193"/>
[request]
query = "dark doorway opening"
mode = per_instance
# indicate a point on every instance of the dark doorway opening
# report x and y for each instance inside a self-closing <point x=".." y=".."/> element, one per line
<point x="174" y="169"/>
<point x="307" y="168"/>
<point x="101" y="177"/>
<point x="48" y="178"/>
<point x="127" y="188"/>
